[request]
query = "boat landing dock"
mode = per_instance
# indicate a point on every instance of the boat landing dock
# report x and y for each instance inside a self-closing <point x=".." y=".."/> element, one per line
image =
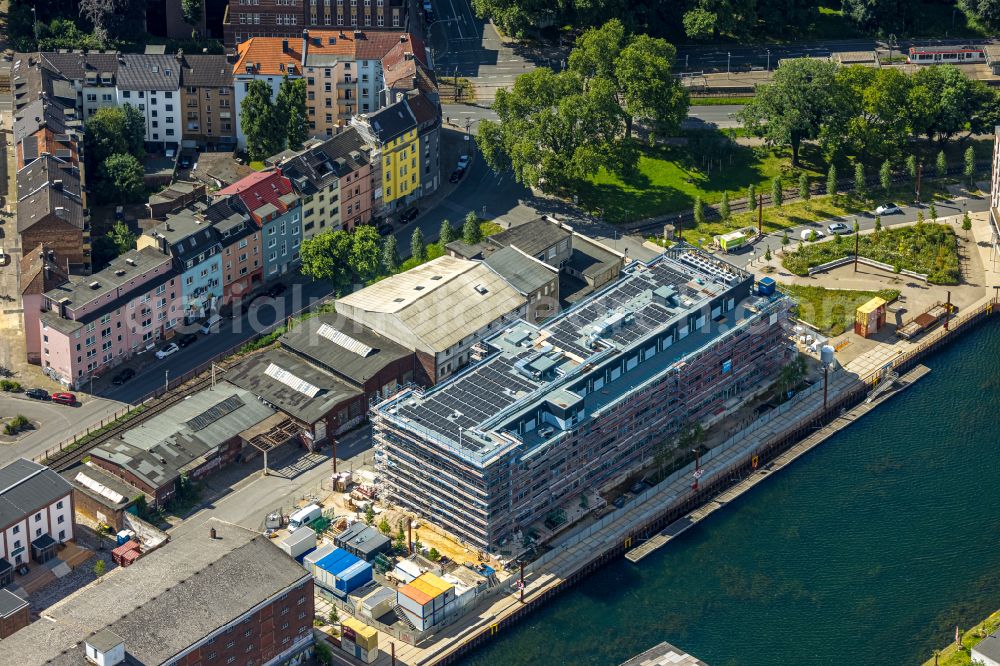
<point x="664" y="654"/>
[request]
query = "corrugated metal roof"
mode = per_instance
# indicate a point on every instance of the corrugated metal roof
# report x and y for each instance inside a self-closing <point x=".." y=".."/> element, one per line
<point x="433" y="306"/>
<point x="25" y="487"/>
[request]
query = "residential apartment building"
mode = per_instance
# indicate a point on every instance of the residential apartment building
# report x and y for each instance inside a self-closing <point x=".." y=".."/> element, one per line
<point x="88" y="325"/>
<point x="242" y="252"/>
<point x="41" y="270"/>
<point x="392" y="133"/>
<point x="344" y="71"/>
<point x="428" y="117"/>
<point x="92" y="75"/>
<point x="333" y="178"/>
<point x="196" y="251"/>
<point x="440" y="309"/>
<point x="51" y="209"/>
<point x="207" y="100"/>
<point x="220" y="594"/>
<point x="152" y="82"/>
<point x="246" y="19"/>
<point x="276" y="208"/>
<point x="577" y="403"/>
<point x="36" y="513"/>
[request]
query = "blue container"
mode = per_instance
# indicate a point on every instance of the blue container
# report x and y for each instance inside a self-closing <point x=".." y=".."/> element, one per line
<point x="766" y="286"/>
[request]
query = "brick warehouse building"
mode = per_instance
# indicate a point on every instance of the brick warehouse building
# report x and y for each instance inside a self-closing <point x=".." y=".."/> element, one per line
<point x="244" y="19"/>
<point x="577" y="403"/>
<point x="219" y="595"/>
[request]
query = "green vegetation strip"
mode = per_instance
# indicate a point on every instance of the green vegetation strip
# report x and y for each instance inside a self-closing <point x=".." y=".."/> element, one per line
<point x="923" y="248"/>
<point x="953" y="655"/>
<point x="831" y="310"/>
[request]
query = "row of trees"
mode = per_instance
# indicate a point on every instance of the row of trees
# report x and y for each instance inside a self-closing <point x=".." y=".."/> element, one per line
<point x="270" y="126"/>
<point x="345" y="258"/>
<point x="710" y="19"/>
<point x="869" y="113"/>
<point x="555" y="128"/>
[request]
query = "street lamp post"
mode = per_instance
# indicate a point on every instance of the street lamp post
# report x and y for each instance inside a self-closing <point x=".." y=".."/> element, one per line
<point x="166" y="380"/>
<point x="769" y="60"/>
<point x="729" y="59"/>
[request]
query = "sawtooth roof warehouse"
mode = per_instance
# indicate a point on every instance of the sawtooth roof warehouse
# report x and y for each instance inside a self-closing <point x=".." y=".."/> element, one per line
<point x="575" y="403"/>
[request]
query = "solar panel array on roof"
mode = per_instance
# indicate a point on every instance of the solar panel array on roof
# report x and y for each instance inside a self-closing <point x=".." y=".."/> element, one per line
<point x="344" y="340"/>
<point x="288" y="379"/>
<point x="215" y="412"/>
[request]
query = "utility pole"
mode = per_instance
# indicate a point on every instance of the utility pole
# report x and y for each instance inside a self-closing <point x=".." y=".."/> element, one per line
<point x="166" y="380"/>
<point x="760" y="215"/>
<point x="857" y="246"/>
<point x="729" y="59"/>
<point x="393" y="646"/>
<point x="680" y="234"/>
<point x="333" y="442"/>
<point x="826" y="382"/>
<point x="947" y="311"/>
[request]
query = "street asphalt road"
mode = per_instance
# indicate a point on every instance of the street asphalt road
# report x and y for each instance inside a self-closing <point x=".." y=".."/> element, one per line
<point x="719" y="115"/>
<point x="56" y="423"/>
<point x="151" y="373"/>
<point x="865" y="221"/>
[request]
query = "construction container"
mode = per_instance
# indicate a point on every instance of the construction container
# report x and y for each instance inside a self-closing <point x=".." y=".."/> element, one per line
<point x="766" y="286"/>
<point x="361" y="639"/>
<point x="337" y="571"/>
<point x="731" y="241"/>
<point x="118" y="553"/>
<point x="300" y="542"/>
<point x="870" y="317"/>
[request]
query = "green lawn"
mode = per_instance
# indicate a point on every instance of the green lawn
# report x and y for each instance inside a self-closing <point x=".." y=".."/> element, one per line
<point x="831" y="310"/>
<point x="925" y="248"/>
<point x="669" y="178"/>
<point x="952" y="655"/>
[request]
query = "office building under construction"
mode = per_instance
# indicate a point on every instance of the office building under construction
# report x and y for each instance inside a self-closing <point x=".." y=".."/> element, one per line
<point x="574" y="403"/>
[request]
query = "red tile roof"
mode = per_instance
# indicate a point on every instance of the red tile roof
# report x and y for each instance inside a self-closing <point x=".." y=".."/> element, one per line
<point x="267" y="51"/>
<point x="257" y="189"/>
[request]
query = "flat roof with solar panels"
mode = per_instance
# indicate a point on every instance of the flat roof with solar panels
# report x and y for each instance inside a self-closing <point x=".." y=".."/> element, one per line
<point x="537" y="380"/>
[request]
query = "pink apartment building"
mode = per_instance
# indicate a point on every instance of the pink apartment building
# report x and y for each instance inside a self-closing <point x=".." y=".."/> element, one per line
<point x="91" y="324"/>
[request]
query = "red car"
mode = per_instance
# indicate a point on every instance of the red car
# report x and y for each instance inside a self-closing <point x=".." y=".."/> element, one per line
<point x="64" y="398"/>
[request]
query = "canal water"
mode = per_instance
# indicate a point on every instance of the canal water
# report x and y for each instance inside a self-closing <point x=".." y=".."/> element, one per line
<point x="867" y="550"/>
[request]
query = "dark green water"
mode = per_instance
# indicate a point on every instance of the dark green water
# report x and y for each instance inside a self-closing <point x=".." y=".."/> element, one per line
<point x="868" y="550"/>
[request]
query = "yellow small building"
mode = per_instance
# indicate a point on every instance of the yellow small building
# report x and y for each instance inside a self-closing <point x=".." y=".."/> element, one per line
<point x="870" y="317"/>
<point x="393" y="134"/>
<point x="359" y="640"/>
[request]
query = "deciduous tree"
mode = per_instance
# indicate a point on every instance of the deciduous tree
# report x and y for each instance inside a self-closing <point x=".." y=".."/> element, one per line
<point x="122" y="237"/>
<point x="793" y="107"/>
<point x="115" y="20"/>
<point x="724" y="206"/>
<point x="325" y="257"/>
<point x="264" y="136"/>
<point x="192" y="11"/>
<point x="366" y="251"/>
<point x="290" y="111"/>
<point x="885" y="176"/>
<point x="777" y="192"/>
<point x="121" y="178"/>
<point x="941" y="165"/>
<point x="969" y="166"/>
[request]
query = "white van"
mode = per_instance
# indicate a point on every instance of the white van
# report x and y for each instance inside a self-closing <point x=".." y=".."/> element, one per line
<point x="304" y="516"/>
<point x="212" y="325"/>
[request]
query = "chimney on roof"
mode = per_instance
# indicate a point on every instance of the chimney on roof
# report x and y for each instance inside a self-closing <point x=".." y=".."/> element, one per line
<point x="305" y="45"/>
<point x="402" y="38"/>
<point x="358" y="34"/>
<point x="284" y="46"/>
<point x="211" y="533"/>
<point x="57" y="184"/>
<point x="180" y="55"/>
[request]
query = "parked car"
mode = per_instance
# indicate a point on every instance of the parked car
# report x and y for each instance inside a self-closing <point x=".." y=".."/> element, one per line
<point x="889" y="209"/>
<point x="186" y="339"/>
<point x="463" y="162"/>
<point x="384" y="229"/>
<point x="276" y="290"/>
<point x="811" y="234"/>
<point x="123" y="376"/>
<point x="64" y="398"/>
<point x="838" y="228"/>
<point x="408" y="215"/>
<point x="169" y="350"/>
<point x="456" y="175"/>
<point x="38" y="394"/>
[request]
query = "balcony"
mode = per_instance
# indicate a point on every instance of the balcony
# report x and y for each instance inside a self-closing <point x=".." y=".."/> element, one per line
<point x="346" y="85"/>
